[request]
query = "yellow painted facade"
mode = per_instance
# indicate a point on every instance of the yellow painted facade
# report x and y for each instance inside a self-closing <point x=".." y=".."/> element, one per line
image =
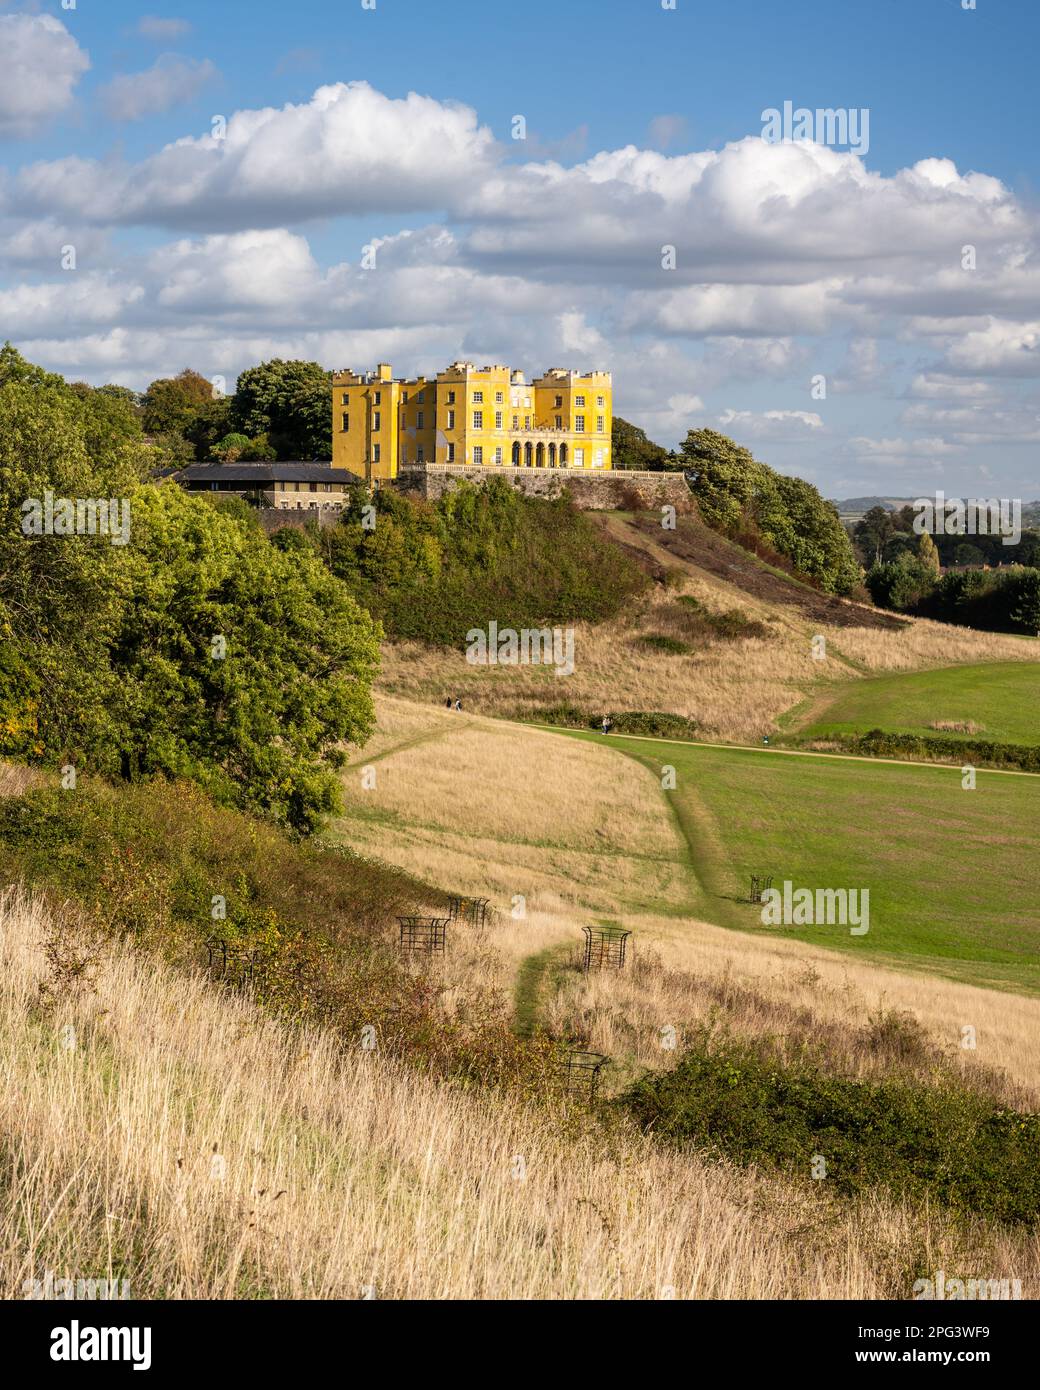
<point x="472" y="416"/>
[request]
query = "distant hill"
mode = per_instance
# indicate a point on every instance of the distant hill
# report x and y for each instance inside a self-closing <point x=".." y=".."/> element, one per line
<point x="858" y="506"/>
<point x="851" y="508"/>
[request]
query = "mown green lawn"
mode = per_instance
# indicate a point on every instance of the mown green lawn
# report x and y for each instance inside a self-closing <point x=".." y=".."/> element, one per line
<point x="954" y="875"/>
<point x="1004" y="697"/>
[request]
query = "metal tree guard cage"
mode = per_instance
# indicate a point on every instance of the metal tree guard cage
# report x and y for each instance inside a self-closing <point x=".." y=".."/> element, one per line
<point x="760" y="883"/>
<point x="426" y="934"/>
<point x="473" y="911"/>
<point x="230" y="964"/>
<point x="579" y="1073"/>
<point x="605" y="948"/>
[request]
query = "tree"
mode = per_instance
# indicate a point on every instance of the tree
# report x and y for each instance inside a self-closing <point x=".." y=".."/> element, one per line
<point x="171" y="403"/>
<point x="630" y="448"/>
<point x="210" y="423"/>
<point x="927" y="555"/>
<point x="745" y="498"/>
<point x="967" y="554"/>
<point x="291" y="403"/>
<point x="900" y="584"/>
<point x="109" y="653"/>
<point x="230" y="448"/>
<point x="258" y="717"/>
<point x="871" y="532"/>
<point x="1025" y="607"/>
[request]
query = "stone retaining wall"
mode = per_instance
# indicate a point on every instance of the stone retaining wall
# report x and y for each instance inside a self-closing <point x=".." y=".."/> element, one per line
<point x="610" y="490"/>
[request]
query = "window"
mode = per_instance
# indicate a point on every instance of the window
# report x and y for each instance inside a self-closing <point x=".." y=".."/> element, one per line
<point x="597" y="458"/>
<point x="376" y="398"/>
<point x="419" y="454"/>
<point x="527" y="400"/>
<point x="527" y="422"/>
<point x="346" y="397"/>
<point x="499" y="398"/>
<point x="451" y="397"/>
<point x="420" y="415"/>
<point x="478" y="397"/>
<point x="498" y="419"/>
<point x="599" y="424"/>
<point x="579" y="400"/>
<point x="559" y="422"/>
<point x="345" y="426"/>
<point x="516" y="422"/>
<point x="478" y="454"/>
<point x="558" y="402"/>
<point x="579" y="424"/>
<point x="599" y="402"/>
<point x="451" y="419"/>
<point x="421" y="398"/>
<point x="498" y="455"/>
<point x="579" y="458"/>
<point x="451" y="453"/>
<point x="478" y="419"/>
<point x="404" y="397"/>
<point x="375" y="453"/>
<point x="375" y="419"/>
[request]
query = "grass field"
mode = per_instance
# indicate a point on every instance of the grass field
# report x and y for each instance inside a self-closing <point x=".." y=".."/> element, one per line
<point x="1001" y="700"/>
<point x="954" y="876"/>
<point x="581" y="827"/>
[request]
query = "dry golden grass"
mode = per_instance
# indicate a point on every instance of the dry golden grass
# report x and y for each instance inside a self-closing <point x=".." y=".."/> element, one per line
<point x="923" y="644"/>
<point x="735" y="689"/>
<point x="192" y="1147"/>
<point x="682" y="976"/>
<point x="478" y="806"/>
<point x="16" y="780"/>
<point x="540" y="840"/>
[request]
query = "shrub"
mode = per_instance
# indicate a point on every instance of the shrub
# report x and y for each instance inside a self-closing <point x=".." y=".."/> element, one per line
<point x="435" y="571"/>
<point x="916" y="1141"/>
<point x="661" y="643"/>
<point x="145" y="863"/>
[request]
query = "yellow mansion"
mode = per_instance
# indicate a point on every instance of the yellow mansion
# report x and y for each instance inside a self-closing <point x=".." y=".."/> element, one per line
<point x="470" y="416"/>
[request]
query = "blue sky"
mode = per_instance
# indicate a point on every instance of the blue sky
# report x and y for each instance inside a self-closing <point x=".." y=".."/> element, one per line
<point x="643" y="131"/>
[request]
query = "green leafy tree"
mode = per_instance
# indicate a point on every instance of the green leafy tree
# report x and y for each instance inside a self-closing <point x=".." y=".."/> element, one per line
<point x="967" y="554"/>
<point x="291" y="403"/>
<point x="900" y="584"/>
<point x="229" y="449"/>
<point x="1025" y="601"/>
<point x="171" y="404"/>
<point x="630" y="448"/>
<point x="109" y="657"/>
<point x="259" y="715"/>
<point x="870" y="533"/>
<point x="927" y="555"/>
<point x="210" y="423"/>
<point x="745" y="498"/>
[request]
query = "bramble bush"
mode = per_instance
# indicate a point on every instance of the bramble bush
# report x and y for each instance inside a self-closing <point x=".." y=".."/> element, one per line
<point x="920" y="1142"/>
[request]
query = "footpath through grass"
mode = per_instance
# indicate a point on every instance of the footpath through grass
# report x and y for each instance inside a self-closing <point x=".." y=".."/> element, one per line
<point x="953" y="875"/>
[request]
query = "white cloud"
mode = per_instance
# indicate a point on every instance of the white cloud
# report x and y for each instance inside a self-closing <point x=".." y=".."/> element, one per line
<point x="999" y="349"/>
<point x="348" y="150"/>
<point x="77" y="300"/>
<point x="42" y="63"/>
<point x="170" y="81"/>
<point x="770" y="424"/>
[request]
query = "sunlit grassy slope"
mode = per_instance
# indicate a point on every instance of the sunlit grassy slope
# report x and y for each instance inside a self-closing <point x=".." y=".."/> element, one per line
<point x="999" y="702"/>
